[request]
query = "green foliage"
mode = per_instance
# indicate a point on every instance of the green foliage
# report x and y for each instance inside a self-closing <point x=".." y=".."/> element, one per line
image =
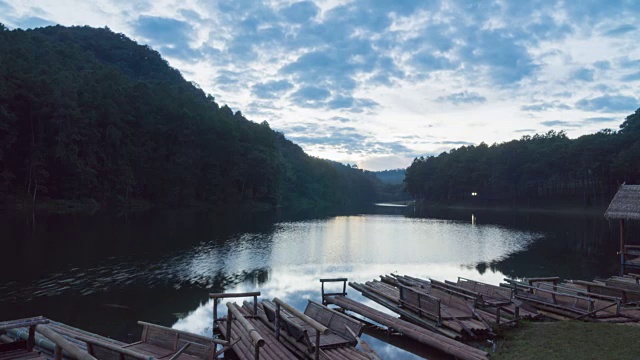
<point x="89" y="114"/>
<point x="538" y="169"/>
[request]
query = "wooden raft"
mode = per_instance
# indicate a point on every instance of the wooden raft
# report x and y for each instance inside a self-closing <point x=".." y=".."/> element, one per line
<point x="445" y="309"/>
<point x="412" y="331"/>
<point x="157" y="342"/>
<point x="568" y="301"/>
<point x="252" y="339"/>
<point x="335" y="334"/>
<point x="22" y="349"/>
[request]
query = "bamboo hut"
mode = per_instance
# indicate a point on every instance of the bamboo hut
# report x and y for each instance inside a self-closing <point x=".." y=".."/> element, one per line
<point x="626" y="206"/>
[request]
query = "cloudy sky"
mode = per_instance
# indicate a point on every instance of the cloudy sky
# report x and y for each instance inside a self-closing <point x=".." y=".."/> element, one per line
<point x="378" y="82"/>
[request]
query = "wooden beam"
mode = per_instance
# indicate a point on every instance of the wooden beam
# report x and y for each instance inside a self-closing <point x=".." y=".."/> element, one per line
<point x="256" y="338"/>
<point x="112" y="347"/>
<point x="63" y="344"/>
<point x="233" y="295"/>
<point x="316" y="325"/>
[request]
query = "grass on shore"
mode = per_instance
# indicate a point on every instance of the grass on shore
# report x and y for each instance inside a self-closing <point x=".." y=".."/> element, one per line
<point x="570" y="340"/>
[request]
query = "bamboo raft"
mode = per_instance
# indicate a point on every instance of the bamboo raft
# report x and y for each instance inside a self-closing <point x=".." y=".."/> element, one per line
<point x="275" y="330"/>
<point x="41" y="338"/>
<point x="410" y="330"/>
<point x="462" y="311"/>
<point x="595" y="301"/>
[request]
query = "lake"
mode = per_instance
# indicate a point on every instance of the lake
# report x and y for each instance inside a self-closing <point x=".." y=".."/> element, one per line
<point x="104" y="272"/>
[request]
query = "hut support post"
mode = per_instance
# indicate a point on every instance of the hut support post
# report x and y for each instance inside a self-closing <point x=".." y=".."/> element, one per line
<point x="622" y="241"/>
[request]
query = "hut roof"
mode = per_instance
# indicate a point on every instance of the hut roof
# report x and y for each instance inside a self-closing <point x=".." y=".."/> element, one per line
<point x="626" y="203"/>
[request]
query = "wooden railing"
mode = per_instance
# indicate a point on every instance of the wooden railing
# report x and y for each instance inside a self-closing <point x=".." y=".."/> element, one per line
<point x="320" y="329"/>
<point x="63" y="344"/>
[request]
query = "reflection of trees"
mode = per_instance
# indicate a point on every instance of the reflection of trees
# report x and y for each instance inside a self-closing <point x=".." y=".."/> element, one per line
<point x="59" y="242"/>
<point x="572" y="246"/>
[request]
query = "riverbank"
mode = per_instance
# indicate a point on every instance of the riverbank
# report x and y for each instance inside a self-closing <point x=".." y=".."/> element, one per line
<point x="569" y="340"/>
<point x="556" y="209"/>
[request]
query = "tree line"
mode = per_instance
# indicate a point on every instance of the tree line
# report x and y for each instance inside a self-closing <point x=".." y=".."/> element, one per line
<point x="535" y="170"/>
<point x="87" y="113"/>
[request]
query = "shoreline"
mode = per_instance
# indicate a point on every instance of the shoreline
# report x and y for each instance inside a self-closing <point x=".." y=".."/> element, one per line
<point x="563" y="210"/>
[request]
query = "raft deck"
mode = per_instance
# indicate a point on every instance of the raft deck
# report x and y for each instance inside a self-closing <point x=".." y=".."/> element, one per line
<point x="410" y="330"/>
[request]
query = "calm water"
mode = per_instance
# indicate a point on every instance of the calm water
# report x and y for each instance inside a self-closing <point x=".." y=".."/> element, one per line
<point x="104" y="272"/>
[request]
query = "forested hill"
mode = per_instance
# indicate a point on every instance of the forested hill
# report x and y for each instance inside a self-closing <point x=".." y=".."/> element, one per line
<point x="535" y="170"/>
<point x="394" y="177"/>
<point x="89" y="114"/>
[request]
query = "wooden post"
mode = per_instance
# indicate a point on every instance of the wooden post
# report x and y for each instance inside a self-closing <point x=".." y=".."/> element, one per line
<point x="622" y="241"/>
<point x="229" y="320"/>
<point x="255" y="305"/>
<point x="215" y="312"/>
<point x="57" y="353"/>
<point x="498" y="315"/>
<point x="277" y="321"/>
<point x="344" y="288"/>
<point x="31" y="341"/>
<point x="317" y="355"/>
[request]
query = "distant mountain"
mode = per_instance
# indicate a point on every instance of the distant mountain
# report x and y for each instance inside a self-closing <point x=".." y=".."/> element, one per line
<point x="87" y="113"/>
<point x="391" y="176"/>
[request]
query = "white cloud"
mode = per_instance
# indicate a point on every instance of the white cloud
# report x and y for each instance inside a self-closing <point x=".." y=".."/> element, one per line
<point x="480" y="71"/>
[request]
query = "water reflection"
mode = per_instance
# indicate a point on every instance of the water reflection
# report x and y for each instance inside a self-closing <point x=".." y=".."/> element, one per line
<point x="104" y="273"/>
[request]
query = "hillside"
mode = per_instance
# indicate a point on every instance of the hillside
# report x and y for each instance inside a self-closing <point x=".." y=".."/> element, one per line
<point x="540" y="170"/>
<point x="86" y="113"/>
<point x="393" y="177"/>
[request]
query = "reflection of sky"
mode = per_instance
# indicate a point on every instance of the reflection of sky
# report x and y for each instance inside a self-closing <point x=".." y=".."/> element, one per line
<point x="361" y="248"/>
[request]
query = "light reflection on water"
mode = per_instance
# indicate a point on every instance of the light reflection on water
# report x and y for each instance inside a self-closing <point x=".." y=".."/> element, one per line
<point x="360" y="248"/>
<point x="286" y="262"/>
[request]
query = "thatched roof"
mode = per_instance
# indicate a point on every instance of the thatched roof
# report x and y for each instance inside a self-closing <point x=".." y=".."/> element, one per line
<point x="626" y="203"/>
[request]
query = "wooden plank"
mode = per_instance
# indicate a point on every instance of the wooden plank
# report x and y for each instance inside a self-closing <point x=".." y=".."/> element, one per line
<point x="233" y="295"/>
<point x="152" y="350"/>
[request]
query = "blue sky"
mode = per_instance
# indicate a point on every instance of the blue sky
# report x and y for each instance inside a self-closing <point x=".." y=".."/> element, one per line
<point x="377" y="82"/>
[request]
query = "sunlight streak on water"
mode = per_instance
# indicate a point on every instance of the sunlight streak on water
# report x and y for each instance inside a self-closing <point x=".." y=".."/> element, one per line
<point x="354" y="246"/>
